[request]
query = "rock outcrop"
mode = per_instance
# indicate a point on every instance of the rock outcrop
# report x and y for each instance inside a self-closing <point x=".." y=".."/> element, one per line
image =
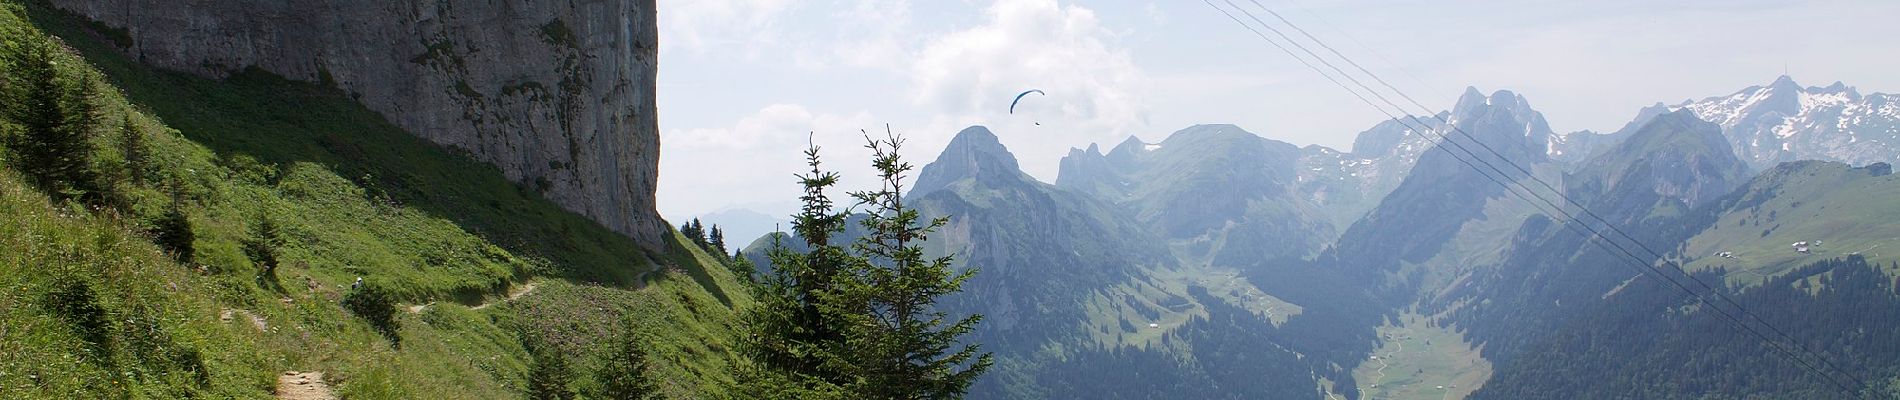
<point x="558" y="94"/>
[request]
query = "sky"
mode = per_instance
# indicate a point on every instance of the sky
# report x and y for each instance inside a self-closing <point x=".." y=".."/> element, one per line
<point x="744" y="85"/>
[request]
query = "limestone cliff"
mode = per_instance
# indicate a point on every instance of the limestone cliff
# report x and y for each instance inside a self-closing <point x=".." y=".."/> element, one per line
<point x="558" y="94"/>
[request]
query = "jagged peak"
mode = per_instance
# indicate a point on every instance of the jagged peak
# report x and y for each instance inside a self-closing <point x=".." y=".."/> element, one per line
<point x="974" y="152"/>
<point x="1473" y="102"/>
<point x="1471" y="99"/>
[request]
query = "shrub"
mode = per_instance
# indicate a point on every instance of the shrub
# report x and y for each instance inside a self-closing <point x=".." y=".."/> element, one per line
<point x="262" y="246"/>
<point x="550" y="376"/>
<point x="622" y="373"/>
<point x="374" y="305"/>
<point x="173" y="233"/>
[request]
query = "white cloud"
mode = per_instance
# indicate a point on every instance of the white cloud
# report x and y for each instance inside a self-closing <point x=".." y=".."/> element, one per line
<point x="717" y="25"/>
<point x="870" y="33"/>
<point x="751" y="163"/>
<point x="1094" y="91"/>
<point x="812" y="35"/>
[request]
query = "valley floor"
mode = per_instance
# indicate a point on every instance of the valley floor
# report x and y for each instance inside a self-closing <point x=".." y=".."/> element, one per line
<point x="1418" y="361"/>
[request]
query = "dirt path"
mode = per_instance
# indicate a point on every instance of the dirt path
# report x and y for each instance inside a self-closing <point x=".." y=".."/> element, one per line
<point x="293" y="385"/>
<point x="1398" y="347"/>
<point x="522" y="291"/>
<point x="227" y="314"/>
<point x="518" y="291"/>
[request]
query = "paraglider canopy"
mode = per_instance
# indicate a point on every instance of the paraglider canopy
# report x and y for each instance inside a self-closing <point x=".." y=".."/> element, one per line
<point x="1019" y="98"/>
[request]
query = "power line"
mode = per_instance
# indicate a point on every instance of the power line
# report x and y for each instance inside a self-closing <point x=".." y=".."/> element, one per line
<point x="1595" y="233"/>
<point x="1607" y="224"/>
<point x="1509" y="186"/>
<point x="1420" y="127"/>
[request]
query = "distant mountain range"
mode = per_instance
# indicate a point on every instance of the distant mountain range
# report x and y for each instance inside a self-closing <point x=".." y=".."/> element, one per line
<point x="1219" y="264"/>
<point x="1783" y="121"/>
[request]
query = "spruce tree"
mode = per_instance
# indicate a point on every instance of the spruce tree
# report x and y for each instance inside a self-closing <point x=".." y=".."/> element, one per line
<point x="717" y="240"/>
<point x="790" y="333"/>
<point x="173" y="233"/>
<point x="699" y="233"/>
<point x="262" y="246"/>
<point x="53" y="151"/>
<point x="622" y="373"/>
<point x="694" y="232"/>
<point x="549" y="378"/>
<point x="903" y="347"/>
<point x="862" y="323"/>
<point x="132" y="148"/>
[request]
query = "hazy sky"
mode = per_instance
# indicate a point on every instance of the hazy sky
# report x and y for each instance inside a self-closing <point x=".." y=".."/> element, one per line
<point x="742" y="82"/>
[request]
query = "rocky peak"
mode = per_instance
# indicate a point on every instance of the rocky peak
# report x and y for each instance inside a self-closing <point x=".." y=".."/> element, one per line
<point x="973" y="153"/>
<point x="1783" y="121"/>
<point x="1502" y="107"/>
<point x="1675" y="156"/>
<point x="1084" y="169"/>
<point x="1128" y="152"/>
<point x="1380" y="139"/>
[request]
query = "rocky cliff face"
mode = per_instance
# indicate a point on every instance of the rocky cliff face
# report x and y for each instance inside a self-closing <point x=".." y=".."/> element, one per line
<point x="557" y="94"/>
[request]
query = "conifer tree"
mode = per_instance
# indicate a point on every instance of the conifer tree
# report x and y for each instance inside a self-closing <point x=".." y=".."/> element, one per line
<point x="789" y="331"/>
<point x="695" y="232"/>
<point x="622" y="373"/>
<point x="717" y="240"/>
<point x="53" y="151"/>
<point x="903" y="347"/>
<point x="132" y="148"/>
<point x="862" y="323"/>
<point x="173" y="232"/>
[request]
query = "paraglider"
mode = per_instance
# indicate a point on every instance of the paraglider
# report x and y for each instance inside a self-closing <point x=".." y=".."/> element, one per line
<point x="1019" y="99"/>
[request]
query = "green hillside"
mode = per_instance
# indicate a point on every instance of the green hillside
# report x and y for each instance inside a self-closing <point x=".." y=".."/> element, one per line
<point x="1847" y="210"/>
<point x="269" y="172"/>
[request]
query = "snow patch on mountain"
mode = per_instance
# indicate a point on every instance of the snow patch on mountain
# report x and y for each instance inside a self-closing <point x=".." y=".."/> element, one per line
<point x="1784" y="121"/>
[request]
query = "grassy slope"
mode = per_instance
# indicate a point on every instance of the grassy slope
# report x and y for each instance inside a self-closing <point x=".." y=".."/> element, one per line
<point x="356" y="197"/>
<point x="1844" y="208"/>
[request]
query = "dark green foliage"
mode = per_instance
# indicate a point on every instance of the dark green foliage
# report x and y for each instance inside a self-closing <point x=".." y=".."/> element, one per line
<point x="904" y="346"/>
<point x="862" y="323"/>
<point x="550" y="378"/>
<point x="173" y="233"/>
<point x="262" y="246"/>
<point x="57" y="117"/>
<point x="716" y="241"/>
<point x="789" y="331"/>
<point x="622" y="372"/>
<point x="694" y="231"/>
<point x="742" y="267"/>
<point x="133" y="149"/>
<point x="1641" y="344"/>
<point x="371" y="303"/>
